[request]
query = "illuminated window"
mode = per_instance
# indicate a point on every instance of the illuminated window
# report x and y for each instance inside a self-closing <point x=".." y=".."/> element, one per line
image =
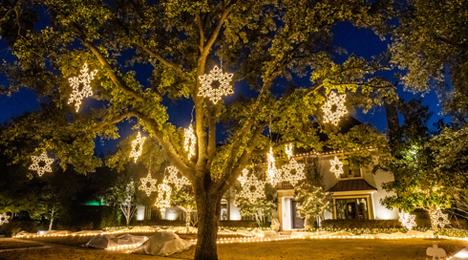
<point x="351" y="170"/>
<point x="355" y="208"/>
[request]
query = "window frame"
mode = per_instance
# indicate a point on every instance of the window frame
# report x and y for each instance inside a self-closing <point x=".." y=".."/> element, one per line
<point x="361" y="176"/>
<point x="370" y="206"/>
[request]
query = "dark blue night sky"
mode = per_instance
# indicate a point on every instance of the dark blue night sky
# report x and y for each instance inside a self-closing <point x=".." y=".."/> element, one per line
<point x="361" y="42"/>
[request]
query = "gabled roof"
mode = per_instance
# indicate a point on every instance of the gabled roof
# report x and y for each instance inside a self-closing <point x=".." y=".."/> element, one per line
<point x="351" y="185"/>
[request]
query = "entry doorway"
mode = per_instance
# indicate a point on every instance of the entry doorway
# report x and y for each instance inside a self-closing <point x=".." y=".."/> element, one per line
<point x="297" y="220"/>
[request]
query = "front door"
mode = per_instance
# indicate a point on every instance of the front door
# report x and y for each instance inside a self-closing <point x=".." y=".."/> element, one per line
<point x="297" y="221"/>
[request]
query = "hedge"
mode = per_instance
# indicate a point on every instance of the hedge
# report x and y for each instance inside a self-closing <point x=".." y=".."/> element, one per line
<point x="363" y="223"/>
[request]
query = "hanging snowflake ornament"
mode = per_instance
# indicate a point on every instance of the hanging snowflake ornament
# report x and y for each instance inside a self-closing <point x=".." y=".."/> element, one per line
<point x="338" y="102"/>
<point x="253" y="189"/>
<point x="164" y="195"/>
<point x="190" y="141"/>
<point x="224" y="88"/>
<point x="407" y="220"/>
<point x="47" y="164"/>
<point x="439" y="218"/>
<point x="273" y="174"/>
<point x="4" y="218"/>
<point x="336" y="167"/>
<point x="85" y="79"/>
<point x="172" y="178"/>
<point x="144" y="184"/>
<point x="138" y="142"/>
<point x="291" y="167"/>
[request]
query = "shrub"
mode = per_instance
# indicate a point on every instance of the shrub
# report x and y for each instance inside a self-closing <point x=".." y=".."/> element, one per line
<point x="364" y="223"/>
<point x="15" y="226"/>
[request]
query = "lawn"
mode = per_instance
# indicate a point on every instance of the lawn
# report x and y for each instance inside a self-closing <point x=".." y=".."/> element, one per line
<point x="352" y="249"/>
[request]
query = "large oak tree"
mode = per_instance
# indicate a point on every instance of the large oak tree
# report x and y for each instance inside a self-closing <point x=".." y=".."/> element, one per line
<point x="268" y="45"/>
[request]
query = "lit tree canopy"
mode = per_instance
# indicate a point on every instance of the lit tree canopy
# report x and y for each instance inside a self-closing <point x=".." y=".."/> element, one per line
<point x="431" y="43"/>
<point x="268" y="45"/>
<point x="419" y="182"/>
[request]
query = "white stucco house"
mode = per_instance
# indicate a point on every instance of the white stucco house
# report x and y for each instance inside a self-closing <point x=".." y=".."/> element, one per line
<point x="356" y="194"/>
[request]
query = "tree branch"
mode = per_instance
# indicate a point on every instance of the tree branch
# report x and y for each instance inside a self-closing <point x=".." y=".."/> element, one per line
<point x="215" y="34"/>
<point x="202" y="33"/>
<point x="164" y="61"/>
<point x="231" y="174"/>
<point x="113" y="76"/>
<point x="168" y="148"/>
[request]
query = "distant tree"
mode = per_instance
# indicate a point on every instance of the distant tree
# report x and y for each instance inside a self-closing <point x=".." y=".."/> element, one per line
<point x="260" y="209"/>
<point x="419" y="182"/>
<point x="184" y="199"/>
<point x="123" y="195"/>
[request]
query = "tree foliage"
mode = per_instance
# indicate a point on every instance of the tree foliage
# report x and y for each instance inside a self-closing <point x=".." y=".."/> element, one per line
<point x="418" y="183"/>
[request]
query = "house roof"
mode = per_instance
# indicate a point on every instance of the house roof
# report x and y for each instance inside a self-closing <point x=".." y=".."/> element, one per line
<point x="351" y="185"/>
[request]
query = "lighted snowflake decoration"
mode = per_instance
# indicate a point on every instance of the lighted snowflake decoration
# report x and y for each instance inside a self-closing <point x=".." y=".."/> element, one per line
<point x="253" y="189"/>
<point x="4" y="218"/>
<point x="224" y="88"/>
<point x="439" y="218"/>
<point x="172" y="178"/>
<point x="336" y="167"/>
<point x="190" y="141"/>
<point x="291" y="167"/>
<point x="407" y="220"/>
<point x="85" y="79"/>
<point x="47" y="164"/>
<point x="288" y="149"/>
<point x="138" y="142"/>
<point x="338" y="101"/>
<point x="164" y="195"/>
<point x="144" y="184"/>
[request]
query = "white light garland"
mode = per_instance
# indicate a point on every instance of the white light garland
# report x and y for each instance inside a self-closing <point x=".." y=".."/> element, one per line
<point x="224" y="88"/>
<point x="407" y="220"/>
<point x="294" y="166"/>
<point x="288" y="149"/>
<point x="173" y="179"/>
<point x="338" y="101"/>
<point x="43" y="158"/>
<point x="144" y="184"/>
<point x="336" y="167"/>
<point x="138" y="141"/>
<point x="258" y="190"/>
<point x="190" y="141"/>
<point x="4" y="218"/>
<point x="438" y="218"/>
<point x="85" y="79"/>
<point x="273" y="174"/>
<point x="164" y="195"/>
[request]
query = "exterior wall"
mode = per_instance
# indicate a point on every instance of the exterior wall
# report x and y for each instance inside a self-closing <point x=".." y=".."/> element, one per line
<point x="283" y="213"/>
<point x="373" y="197"/>
<point x="378" y="211"/>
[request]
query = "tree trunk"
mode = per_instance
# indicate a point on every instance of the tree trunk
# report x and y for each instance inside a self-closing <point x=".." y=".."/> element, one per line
<point x="208" y="211"/>
<point x="127" y="217"/>
<point x="51" y="218"/>
<point x="187" y="220"/>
